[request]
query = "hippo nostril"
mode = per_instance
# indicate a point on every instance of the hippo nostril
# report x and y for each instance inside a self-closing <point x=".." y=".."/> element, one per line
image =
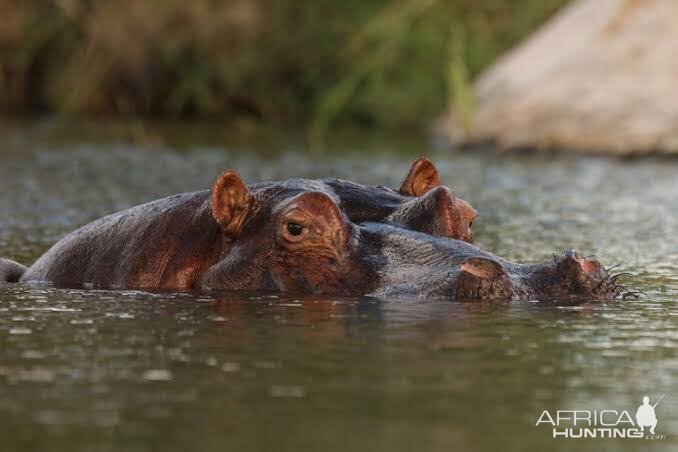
<point x="482" y="268"/>
<point x="481" y="277"/>
<point x="589" y="265"/>
<point x="573" y="261"/>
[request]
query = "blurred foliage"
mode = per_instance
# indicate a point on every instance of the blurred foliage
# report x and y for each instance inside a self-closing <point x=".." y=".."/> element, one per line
<point x="317" y="63"/>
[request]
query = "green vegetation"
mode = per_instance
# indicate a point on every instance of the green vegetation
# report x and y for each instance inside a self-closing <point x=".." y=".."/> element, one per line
<point x="308" y="63"/>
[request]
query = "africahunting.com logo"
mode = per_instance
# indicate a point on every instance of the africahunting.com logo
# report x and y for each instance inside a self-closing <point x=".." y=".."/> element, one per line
<point x="605" y="423"/>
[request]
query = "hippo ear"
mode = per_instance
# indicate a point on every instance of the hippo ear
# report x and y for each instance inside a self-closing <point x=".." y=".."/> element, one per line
<point x="423" y="176"/>
<point x="231" y="201"/>
<point x="438" y="213"/>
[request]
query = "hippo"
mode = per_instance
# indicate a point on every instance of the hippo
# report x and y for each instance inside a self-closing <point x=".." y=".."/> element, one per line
<point x="185" y="219"/>
<point x="307" y="236"/>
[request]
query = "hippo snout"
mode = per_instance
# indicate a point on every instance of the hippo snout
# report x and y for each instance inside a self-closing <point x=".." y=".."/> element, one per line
<point x="567" y="277"/>
<point x="571" y="276"/>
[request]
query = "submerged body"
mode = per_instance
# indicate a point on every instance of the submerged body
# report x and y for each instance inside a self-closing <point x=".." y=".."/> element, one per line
<point x="320" y="236"/>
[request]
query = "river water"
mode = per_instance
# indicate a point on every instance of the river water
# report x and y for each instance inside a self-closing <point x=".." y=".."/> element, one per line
<point x="129" y="370"/>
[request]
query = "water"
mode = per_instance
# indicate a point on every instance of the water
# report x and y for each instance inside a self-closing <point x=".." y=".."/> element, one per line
<point x="129" y="370"/>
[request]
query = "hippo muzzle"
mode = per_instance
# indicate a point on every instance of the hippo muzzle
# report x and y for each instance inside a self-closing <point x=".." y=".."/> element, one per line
<point x="417" y="265"/>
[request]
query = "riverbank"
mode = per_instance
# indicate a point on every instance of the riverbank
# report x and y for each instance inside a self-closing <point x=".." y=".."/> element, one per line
<point x="314" y="65"/>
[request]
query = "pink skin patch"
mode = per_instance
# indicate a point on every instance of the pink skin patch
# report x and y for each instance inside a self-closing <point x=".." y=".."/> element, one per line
<point x="589" y="265"/>
<point x="482" y="268"/>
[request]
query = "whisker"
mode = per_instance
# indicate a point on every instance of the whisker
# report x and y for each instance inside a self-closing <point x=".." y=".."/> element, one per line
<point x="635" y="294"/>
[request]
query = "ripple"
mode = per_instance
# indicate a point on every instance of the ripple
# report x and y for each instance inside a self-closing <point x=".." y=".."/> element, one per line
<point x="157" y="375"/>
<point x="20" y="331"/>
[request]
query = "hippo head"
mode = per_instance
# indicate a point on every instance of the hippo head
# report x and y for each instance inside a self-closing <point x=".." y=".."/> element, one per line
<point x="289" y="236"/>
<point x="420" y="265"/>
<point x="294" y="236"/>
<point x="421" y="203"/>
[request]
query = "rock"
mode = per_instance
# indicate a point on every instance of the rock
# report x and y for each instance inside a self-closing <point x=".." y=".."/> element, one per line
<point x="600" y="76"/>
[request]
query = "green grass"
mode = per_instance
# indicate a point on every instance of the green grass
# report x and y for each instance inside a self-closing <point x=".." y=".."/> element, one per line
<point x="314" y="64"/>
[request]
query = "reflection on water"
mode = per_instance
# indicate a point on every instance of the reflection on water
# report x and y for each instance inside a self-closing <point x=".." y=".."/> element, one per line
<point x="127" y="370"/>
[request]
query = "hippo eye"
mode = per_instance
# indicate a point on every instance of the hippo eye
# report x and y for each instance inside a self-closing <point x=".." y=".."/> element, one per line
<point x="294" y="228"/>
<point x="470" y="223"/>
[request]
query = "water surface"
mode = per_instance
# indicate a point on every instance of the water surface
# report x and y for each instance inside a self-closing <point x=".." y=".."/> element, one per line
<point x="130" y="370"/>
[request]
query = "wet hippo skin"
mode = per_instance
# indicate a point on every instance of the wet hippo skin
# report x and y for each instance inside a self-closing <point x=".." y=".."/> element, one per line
<point x="308" y="236"/>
